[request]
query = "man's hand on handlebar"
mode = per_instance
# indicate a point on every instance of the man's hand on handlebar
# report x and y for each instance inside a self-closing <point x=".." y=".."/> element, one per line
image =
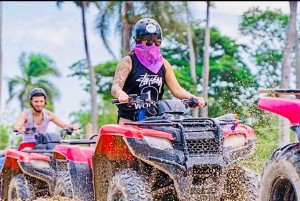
<point x="123" y="97"/>
<point x="74" y="127"/>
<point x="20" y="129"/>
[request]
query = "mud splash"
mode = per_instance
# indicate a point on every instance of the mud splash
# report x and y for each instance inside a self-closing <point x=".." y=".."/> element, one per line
<point x="55" y="198"/>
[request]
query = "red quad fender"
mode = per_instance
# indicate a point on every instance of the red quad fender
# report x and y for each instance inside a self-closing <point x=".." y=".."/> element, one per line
<point x="111" y="144"/>
<point x="286" y="107"/>
<point x="74" y="153"/>
<point x="13" y="156"/>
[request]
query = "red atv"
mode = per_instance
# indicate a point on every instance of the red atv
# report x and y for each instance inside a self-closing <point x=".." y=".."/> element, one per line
<point x="281" y="173"/>
<point x="173" y="156"/>
<point x="29" y="171"/>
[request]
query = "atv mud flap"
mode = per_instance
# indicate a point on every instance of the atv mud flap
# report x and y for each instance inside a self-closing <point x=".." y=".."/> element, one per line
<point x="81" y="177"/>
<point x="40" y="172"/>
<point x="197" y="178"/>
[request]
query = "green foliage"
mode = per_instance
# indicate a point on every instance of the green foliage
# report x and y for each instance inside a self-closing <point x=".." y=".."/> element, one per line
<point x="167" y="13"/>
<point x="104" y="73"/>
<point x="35" y="69"/>
<point x="266" y="29"/>
<point x="229" y="77"/>
<point x="5" y="131"/>
<point x="107" y="115"/>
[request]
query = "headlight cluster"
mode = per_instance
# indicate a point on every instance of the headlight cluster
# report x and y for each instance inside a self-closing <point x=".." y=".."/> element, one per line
<point x="39" y="164"/>
<point x="158" y="143"/>
<point x="236" y="140"/>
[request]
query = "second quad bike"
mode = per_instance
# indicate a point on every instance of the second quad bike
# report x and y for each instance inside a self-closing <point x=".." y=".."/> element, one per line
<point x="280" y="179"/>
<point x="168" y="156"/>
<point x="31" y="173"/>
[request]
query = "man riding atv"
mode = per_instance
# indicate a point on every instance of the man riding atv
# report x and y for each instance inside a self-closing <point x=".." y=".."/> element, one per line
<point x="36" y="117"/>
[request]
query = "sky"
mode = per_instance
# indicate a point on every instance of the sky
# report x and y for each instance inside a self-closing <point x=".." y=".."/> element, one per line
<point x="41" y="27"/>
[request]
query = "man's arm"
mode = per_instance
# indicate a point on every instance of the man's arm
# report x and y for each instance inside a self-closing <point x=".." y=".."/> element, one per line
<point x="20" y="122"/>
<point x="59" y="122"/>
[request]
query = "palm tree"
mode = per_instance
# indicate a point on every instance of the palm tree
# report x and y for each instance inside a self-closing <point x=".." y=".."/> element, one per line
<point x="284" y="124"/>
<point x="83" y="5"/>
<point x="34" y="69"/>
<point x="166" y="13"/>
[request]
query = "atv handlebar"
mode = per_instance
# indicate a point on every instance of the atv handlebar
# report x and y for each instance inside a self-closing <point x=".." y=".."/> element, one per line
<point x="143" y="98"/>
<point x="34" y="130"/>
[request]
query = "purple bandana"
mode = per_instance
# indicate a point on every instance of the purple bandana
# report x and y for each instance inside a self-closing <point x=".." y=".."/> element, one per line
<point x="149" y="56"/>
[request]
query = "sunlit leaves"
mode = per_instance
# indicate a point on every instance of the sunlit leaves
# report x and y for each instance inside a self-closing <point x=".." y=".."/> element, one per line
<point x="35" y="71"/>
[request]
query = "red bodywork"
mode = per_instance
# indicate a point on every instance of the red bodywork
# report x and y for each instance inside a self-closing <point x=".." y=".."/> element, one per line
<point x="286" y="107"/>
<point x="12" y="156"/>
<point x="239" y="129"/>
<point x="27" y="145"/>
<point x="111" y="144"/>
<point x="109" y="141"/>
<point x="76" y="153"/>
<point x="132" y="131"/>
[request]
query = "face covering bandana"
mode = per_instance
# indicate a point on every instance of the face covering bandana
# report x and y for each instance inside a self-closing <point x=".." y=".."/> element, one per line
<point x="149" y="56"/>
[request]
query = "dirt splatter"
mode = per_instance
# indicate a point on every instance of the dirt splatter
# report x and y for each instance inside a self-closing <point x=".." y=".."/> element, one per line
<point x="55" y="198"/>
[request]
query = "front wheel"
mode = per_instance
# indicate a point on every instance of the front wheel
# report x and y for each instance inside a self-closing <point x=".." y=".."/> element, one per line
<point x="20" y="189"/>
<point x="129" y="185"/>
<point x="281" y="175"/>
<point x="63" y="185"/>
<point x="242" y="185"/>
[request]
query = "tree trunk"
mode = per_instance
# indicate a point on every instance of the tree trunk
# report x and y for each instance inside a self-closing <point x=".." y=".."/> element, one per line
<point x="283" y="123"/>
<point x="126" y="18"/>
<point x="126" y="35"/>
<point x="192" y="57"/>
<point x="297" y="67"/>
<point x="93" y="91"/>
<point x="205" y="71"/>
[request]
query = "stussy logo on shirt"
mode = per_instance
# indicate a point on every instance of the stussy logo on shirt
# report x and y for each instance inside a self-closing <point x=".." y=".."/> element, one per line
<point x="148" y="80"/>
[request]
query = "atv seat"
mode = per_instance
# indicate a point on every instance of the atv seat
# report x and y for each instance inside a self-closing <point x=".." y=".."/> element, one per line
<point x="24" y="145"/>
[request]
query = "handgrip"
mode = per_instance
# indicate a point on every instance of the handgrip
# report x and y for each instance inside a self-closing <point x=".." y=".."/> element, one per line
<point x="115" y="101"/>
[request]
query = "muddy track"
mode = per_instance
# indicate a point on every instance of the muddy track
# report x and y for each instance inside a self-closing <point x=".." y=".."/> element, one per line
<point x="55" y="198"/>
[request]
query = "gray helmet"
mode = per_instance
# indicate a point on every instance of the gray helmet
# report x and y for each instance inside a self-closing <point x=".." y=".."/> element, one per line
<point x="147" y="27"/>
<point x="37" y="92"/>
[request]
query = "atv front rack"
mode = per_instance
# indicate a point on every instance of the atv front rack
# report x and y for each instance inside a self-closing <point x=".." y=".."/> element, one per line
<point x="193" y="136"/>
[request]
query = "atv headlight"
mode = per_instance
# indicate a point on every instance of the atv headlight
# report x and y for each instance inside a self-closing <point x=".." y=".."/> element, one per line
<point x="39" y="164"/>
<point x="158" y="143"/>
<point x="234" y="141"/>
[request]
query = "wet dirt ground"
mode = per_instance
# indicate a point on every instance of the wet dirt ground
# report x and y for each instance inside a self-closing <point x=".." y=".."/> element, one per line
<point x="55" y="198"/>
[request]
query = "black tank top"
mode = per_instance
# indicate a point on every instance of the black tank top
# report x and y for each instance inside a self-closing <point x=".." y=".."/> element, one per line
<point x="141" y="80"/>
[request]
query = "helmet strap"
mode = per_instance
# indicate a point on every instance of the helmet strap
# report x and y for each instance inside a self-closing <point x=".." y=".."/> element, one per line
<point x="36" y="109"/>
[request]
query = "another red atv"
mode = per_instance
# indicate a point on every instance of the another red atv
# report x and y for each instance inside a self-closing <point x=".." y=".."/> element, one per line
<point x="30" y="173"/>
<point x="169" y="156"/>
<point x="281" y="173"/>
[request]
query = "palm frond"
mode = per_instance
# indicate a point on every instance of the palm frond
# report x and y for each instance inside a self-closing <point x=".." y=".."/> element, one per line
<point x="102" y="24"/>
<point x="41" y="65"/>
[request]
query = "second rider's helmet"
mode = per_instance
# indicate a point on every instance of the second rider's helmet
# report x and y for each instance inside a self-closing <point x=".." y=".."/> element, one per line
<point x="37" y="92"/>
<point x="149" y="30"/>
